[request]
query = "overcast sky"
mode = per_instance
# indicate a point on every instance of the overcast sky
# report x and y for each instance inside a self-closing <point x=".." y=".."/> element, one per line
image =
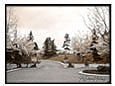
<point x="52" y="22"/>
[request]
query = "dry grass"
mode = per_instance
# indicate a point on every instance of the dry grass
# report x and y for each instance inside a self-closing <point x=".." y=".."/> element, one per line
<point x="71" y="58"/>
<point x="57" y="58"/>
<point x="76" y="59"/>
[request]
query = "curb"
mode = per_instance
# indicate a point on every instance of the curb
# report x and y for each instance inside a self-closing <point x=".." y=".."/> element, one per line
<point x="13" y="70"/>
<point x="64" y="65"/>
<point x="81" y="72"/>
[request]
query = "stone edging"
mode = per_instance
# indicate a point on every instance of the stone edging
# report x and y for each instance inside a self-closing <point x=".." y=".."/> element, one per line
<point x="81" y="72"/>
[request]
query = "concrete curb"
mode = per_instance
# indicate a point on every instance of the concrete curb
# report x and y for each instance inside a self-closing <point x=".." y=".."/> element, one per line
<point x="13" y="70"/>
<point x="64" y="65"/>
<point x="81" y="72"/>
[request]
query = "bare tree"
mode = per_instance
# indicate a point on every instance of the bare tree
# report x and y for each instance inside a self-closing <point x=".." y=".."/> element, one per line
<point x="11" y="32"/>
<point x="22" y="48"/>
<point x="80" y="43"/>
<point x="98" y="19"/>
<point x="11" y="26"/>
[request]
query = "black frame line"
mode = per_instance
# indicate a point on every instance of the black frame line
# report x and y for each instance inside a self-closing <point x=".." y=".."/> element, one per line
<point x="54" y="5"/>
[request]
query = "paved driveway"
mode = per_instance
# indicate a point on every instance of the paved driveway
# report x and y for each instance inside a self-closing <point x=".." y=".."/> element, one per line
<point x="52" y="72"/>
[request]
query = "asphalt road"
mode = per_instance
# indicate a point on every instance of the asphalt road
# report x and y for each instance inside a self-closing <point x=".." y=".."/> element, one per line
<point x="52" y="72"/>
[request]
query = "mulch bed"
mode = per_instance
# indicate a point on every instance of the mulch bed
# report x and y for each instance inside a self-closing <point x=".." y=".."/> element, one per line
<point x="97" y="72"/>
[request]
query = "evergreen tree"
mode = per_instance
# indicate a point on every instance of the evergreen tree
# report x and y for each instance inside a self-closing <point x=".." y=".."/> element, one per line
<point x="36" y="46"/>
<point x="93" y="48"/>
<point x="66" y="43"/>
<point x="49" y="47"/>
<point x="30" y="37"/>
<point x="53" y="47"/>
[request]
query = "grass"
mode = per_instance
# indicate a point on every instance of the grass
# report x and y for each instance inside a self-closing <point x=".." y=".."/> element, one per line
<point x="74" y="59"/>
<point x="71" y="58"/>
<point x="57" y="58"/>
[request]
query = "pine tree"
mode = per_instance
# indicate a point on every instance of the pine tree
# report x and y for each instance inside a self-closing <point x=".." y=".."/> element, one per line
<point x="49" y="47"/>
<point x="36" y="46"/>
<point x="46" y="46"/>
<point x="66" y="43"/>
<point x="96" y="56"/>
<point x="30" y="37"/>
<point x="53" y="47"/>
